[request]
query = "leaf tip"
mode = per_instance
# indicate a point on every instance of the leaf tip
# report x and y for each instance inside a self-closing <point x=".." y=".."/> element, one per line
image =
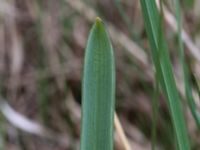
<point x="98" y="20"/>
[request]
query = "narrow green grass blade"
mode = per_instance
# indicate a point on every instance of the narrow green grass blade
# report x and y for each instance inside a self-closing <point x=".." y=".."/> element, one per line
<point x="126" y="19"/>
<point x="196" y="85"/>
<point x="2" y="133"/>
<point x="44" y="100"/>
<point x="155" y="109"/>
<point x="164" y="70"/>
<point x="123" y="14"/>
<point x="98" y="91"/>
<point x="186" y="77"/>
<point x="188" y="3"/>
<point x="158" y="78"/>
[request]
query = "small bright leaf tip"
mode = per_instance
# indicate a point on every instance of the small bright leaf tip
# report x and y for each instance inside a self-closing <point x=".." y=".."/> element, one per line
<point x="98" y="20"/>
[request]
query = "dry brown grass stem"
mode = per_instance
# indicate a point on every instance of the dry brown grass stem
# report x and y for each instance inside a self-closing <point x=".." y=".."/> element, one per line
<point x="121" y="133"/>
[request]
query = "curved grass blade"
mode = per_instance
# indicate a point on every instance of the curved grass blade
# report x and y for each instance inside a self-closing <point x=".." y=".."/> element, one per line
<point x="186" y="76"/>
<point x="98" y="91"/>
<point x="164" y="70"/>
<point x="126" y="19"/>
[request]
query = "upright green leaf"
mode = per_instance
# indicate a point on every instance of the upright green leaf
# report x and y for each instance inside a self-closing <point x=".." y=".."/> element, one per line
<point x="98" y="91"/>
<point x="185" y="70"/>
<point x="164" y="70"/>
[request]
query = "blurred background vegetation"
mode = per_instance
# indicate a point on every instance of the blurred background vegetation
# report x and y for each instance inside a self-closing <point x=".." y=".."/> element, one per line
<point x="41" y="58"/>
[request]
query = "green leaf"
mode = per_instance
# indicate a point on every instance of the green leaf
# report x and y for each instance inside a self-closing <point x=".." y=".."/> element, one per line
<point x="164" y="70"/>
<point x="185" y="70"/>
<point x="98" y="97"/>
<point x="188" y="4"/>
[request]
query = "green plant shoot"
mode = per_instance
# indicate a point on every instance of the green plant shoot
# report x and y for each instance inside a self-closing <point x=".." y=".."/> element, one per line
<point x="98" y="91"/>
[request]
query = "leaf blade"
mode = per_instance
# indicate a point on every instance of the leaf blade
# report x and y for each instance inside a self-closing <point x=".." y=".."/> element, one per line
<point x="98" y="91"/>
<point x="164" y="70"/>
